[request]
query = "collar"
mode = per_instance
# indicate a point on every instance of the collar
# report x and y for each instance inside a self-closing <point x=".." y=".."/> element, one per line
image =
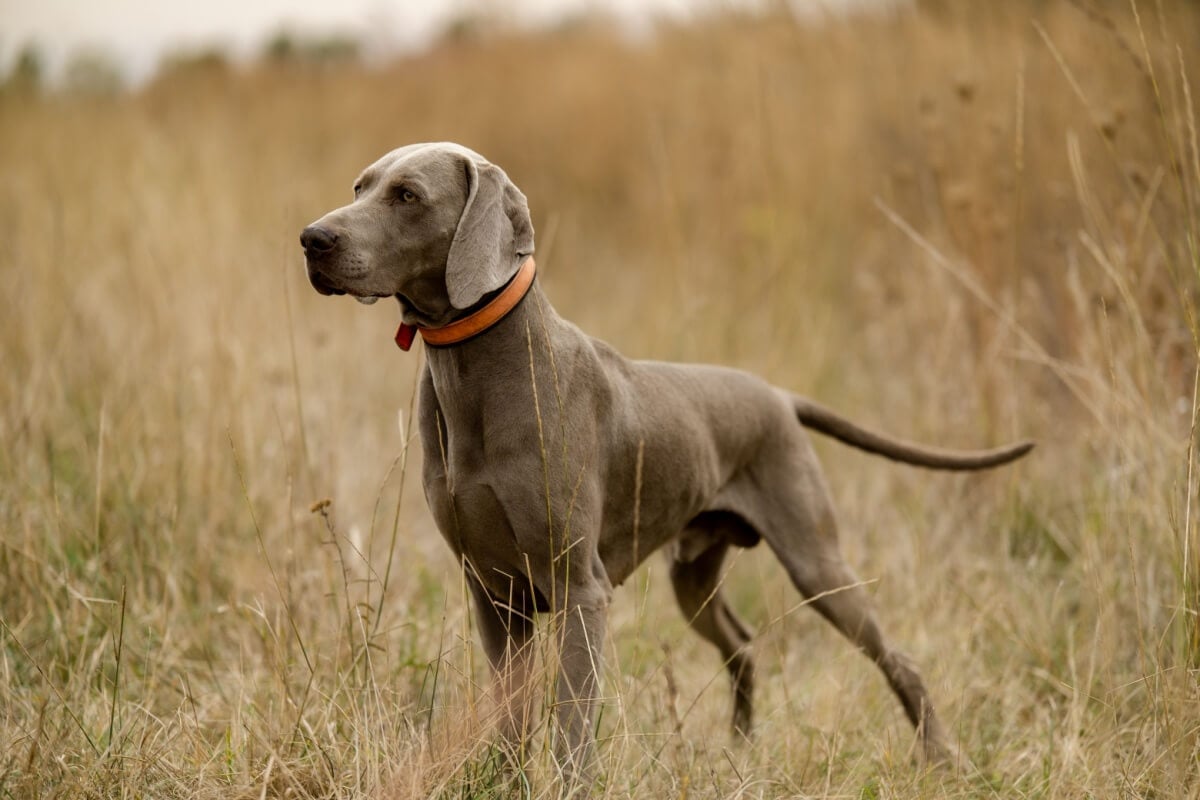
<point x="473" y="324"/>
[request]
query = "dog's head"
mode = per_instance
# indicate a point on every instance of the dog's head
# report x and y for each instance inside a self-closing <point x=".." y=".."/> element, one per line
<point x="436" y="226"/>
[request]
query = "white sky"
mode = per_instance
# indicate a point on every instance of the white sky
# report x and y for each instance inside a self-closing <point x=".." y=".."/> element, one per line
<point x="139" y="32"/>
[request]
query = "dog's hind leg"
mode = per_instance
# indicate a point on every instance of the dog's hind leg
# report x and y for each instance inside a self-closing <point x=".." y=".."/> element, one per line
<point x="697" y="583"/>
<point x="836" y="593"/>
<point x="802" y="532"/>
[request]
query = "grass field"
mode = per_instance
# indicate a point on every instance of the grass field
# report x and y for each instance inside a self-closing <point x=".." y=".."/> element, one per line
<point x="965" y="223"/>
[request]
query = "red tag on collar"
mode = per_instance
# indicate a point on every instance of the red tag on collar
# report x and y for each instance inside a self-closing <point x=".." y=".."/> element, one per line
<point x="405" y="335"/>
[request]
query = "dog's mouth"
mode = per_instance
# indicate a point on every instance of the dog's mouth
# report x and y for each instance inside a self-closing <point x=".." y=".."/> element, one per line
<point x="323" y="284"/>
<point x="409" y="311"/>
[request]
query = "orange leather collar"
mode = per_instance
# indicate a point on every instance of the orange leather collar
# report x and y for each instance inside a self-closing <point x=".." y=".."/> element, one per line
<point x="474" y="324"/>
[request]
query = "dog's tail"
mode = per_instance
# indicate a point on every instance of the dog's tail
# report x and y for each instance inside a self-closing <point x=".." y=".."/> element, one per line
<point x="821" y="419"/>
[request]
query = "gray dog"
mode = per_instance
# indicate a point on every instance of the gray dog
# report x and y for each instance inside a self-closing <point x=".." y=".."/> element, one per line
<point x="554" y="466"/>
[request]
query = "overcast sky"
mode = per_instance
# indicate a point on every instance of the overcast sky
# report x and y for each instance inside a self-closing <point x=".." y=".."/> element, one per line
<point x="138" y="32"/>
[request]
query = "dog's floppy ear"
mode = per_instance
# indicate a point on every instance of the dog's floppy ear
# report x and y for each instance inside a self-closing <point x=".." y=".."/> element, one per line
<point x="494" y="235"/>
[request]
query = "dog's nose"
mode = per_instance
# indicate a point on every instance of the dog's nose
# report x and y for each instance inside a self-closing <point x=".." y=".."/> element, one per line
<point x="317" y="240"/>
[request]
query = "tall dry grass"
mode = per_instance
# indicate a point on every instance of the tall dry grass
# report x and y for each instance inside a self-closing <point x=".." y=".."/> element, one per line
<point x="963" y="223"/>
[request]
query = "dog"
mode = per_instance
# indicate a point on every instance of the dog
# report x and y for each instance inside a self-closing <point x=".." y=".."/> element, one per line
<point x="553" y="466"/>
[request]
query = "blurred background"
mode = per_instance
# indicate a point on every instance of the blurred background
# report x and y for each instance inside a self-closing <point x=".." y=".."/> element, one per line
<point x="963" y="222"/>
<point x="133" y="37"/>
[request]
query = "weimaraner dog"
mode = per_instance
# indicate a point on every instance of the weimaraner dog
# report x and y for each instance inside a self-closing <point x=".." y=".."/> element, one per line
<point x="554" y="466"/>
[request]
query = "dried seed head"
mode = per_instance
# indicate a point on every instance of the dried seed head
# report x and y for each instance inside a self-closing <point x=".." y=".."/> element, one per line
<point x="1110" y="123"/>
<point x="964" y="87"/>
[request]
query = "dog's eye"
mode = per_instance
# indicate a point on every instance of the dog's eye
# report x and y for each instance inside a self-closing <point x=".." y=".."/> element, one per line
<point x="406" y="195"/>
<point x="357" y="189"/>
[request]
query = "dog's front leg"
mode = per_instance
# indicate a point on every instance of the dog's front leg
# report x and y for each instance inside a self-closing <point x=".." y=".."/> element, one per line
<point x="506" y="629"/>
<point x="582" y="624"/>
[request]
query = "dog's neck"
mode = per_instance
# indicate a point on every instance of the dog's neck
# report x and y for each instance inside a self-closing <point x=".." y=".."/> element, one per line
<point x="491" y="379"/>
<point x="486" y="313"/>
<point x="504" y="346"/>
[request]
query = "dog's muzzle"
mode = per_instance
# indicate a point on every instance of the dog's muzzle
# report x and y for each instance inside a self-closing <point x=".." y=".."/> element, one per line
<point x="321" y="283"/>
<point x="318" y="244"/>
